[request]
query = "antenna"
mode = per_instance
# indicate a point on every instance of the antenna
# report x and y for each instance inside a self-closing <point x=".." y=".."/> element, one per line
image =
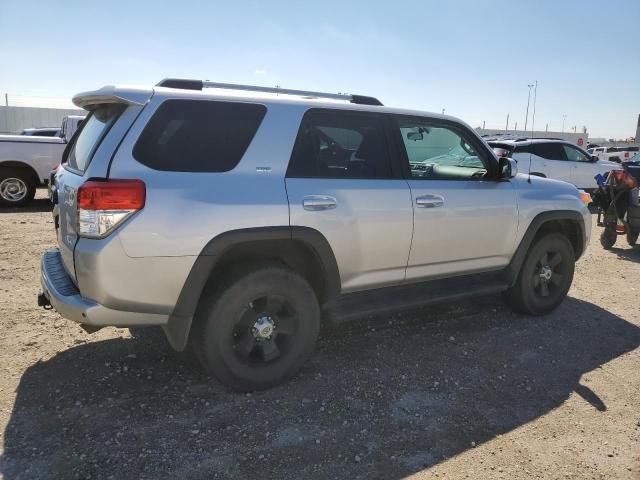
<point x="533" y="123"/>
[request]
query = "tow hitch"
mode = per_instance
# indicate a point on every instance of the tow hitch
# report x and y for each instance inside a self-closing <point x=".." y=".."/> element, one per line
<point x="43" y="301"/>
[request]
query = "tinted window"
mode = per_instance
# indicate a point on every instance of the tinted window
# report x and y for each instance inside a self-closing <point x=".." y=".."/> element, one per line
<point x="340" y="144"/>
<point x="575" y="155"/>
<point x="97" y="125"/>
<point x="550" y="151"/>
<point x="439" y="152"/>
<point x="198" y="136"/>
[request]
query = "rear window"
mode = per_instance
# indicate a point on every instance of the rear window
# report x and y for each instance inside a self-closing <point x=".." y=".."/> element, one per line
<point x="93" y="131"/>
<point x="198" y="136"/>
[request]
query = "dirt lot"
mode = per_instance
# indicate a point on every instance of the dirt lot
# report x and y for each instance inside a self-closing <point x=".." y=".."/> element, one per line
<point x="464" y="391"/>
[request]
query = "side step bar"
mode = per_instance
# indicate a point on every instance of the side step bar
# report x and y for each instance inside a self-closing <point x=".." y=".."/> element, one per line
<point x="404" y="297"/>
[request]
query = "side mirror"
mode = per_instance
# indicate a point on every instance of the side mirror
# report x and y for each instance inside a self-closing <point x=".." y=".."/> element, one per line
<point x="594" y="158"/>
<point x="508" y="167"/>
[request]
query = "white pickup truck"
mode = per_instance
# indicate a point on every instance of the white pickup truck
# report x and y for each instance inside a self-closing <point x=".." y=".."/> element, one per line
<point x="26" y="162"/>
<point x="614" y="154"/>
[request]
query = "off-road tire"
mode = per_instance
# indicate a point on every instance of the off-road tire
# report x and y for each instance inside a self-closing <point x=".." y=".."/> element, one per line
<point x="632" y="237"/>
<point x="608" y="237"/>
<point x="528" y="294"/>
<point x="231" y="307"/>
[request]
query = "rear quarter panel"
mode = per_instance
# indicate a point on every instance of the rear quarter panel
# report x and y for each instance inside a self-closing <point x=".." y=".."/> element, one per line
<point x="40" y="154"/>
<point x="184" y="211"/>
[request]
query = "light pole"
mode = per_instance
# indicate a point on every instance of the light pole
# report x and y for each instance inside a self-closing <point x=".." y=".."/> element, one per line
<point x="563" y="118"/>
<point x="527" y="114"/>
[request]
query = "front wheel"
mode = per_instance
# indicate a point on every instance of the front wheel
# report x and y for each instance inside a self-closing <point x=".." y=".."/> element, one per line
<point x="258" y="330"/>
<point x="545" y="276"/>
<point x="608" y="237"/>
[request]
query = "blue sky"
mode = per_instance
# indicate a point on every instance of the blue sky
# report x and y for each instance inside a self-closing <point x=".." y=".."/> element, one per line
<point x="473" y="58"/>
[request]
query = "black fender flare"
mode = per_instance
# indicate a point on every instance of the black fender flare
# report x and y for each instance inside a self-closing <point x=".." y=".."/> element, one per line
<point x="534" y="227"/>
<point x="179" y="324"/>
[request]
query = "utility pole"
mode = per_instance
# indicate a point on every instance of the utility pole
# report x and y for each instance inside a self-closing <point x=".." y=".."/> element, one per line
<point x="443" y="111"/>
<point x="515" y="129"/>
<point x="546" y="128"/>
<point x="506" y="129"/>
<point x="526" y="117"/>
<point x="563" y="118"/>
<point x="483" y="124"/>
<point x="6" y="99"/>
<point x="533" y="118"/>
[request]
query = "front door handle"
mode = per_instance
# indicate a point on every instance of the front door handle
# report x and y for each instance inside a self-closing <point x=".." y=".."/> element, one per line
<point x="319" y="202"/>
<point x="429" y="201"/>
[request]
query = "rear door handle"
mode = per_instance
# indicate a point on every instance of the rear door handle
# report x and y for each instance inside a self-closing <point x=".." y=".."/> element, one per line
<point x="319" y="202"/>
<point x="429" y="201"/>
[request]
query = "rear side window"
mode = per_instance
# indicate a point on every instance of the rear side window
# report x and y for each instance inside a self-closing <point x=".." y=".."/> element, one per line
<point x="198" y="136"/>
<point x="550" y="151"/>
<point x="340" y="144"/>
<point x="93" y="131"/>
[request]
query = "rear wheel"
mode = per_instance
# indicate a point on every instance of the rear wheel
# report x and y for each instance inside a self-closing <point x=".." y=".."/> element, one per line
<point x="545" y="276"/>
<point x="17" y="187"/>
<point x="632" y="237"/>
<point x="258" y="330"/>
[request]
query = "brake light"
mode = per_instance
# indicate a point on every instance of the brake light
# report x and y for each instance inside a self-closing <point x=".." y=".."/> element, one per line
<point x="103" y="205"/>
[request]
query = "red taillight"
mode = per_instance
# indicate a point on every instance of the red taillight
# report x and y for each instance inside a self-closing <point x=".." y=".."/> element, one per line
<point x="112" y="195"/>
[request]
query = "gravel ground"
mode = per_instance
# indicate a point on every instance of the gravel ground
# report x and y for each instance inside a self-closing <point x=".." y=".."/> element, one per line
<point x="470" y="390"/>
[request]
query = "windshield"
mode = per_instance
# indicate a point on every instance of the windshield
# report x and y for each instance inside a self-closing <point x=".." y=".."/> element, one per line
<point x="96" y="125"/>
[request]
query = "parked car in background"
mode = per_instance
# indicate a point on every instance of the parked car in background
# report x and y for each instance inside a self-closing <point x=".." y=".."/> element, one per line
<point x="42" y="132"/>
<point x="614" y="154"/>
<point x="26" y="161"/>
<point x="236" y="217"/>
<point x="555" y="159"/>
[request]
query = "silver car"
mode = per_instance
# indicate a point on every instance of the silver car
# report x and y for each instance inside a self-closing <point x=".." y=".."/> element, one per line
<point x="238" y="218"/>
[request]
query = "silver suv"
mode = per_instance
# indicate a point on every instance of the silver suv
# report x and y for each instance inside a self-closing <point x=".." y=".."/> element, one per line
<point x="239" y="217"/>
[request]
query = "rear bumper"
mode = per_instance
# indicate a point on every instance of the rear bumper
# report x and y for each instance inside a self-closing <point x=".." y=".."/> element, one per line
<point x="64" y="296"/>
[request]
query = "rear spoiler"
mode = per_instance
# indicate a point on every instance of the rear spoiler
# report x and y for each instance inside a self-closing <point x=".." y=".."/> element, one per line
<point x="113" y="94"/>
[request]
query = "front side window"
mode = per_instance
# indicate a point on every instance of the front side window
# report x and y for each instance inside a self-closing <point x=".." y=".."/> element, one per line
<point x="97" y="125"/>
<point x="575" y="155"/>
<point x="440" y="152"/>
<point x="340" y="144"/>
<point x="198" y="136"/>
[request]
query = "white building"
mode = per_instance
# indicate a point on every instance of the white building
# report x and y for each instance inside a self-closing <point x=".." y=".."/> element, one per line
<point x="16" y="119"/>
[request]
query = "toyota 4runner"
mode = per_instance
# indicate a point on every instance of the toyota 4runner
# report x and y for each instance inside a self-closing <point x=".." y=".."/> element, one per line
<point x="238" y="217"/>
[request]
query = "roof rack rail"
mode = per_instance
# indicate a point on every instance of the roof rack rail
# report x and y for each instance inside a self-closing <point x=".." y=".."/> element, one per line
<point x="200" y="85"/>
